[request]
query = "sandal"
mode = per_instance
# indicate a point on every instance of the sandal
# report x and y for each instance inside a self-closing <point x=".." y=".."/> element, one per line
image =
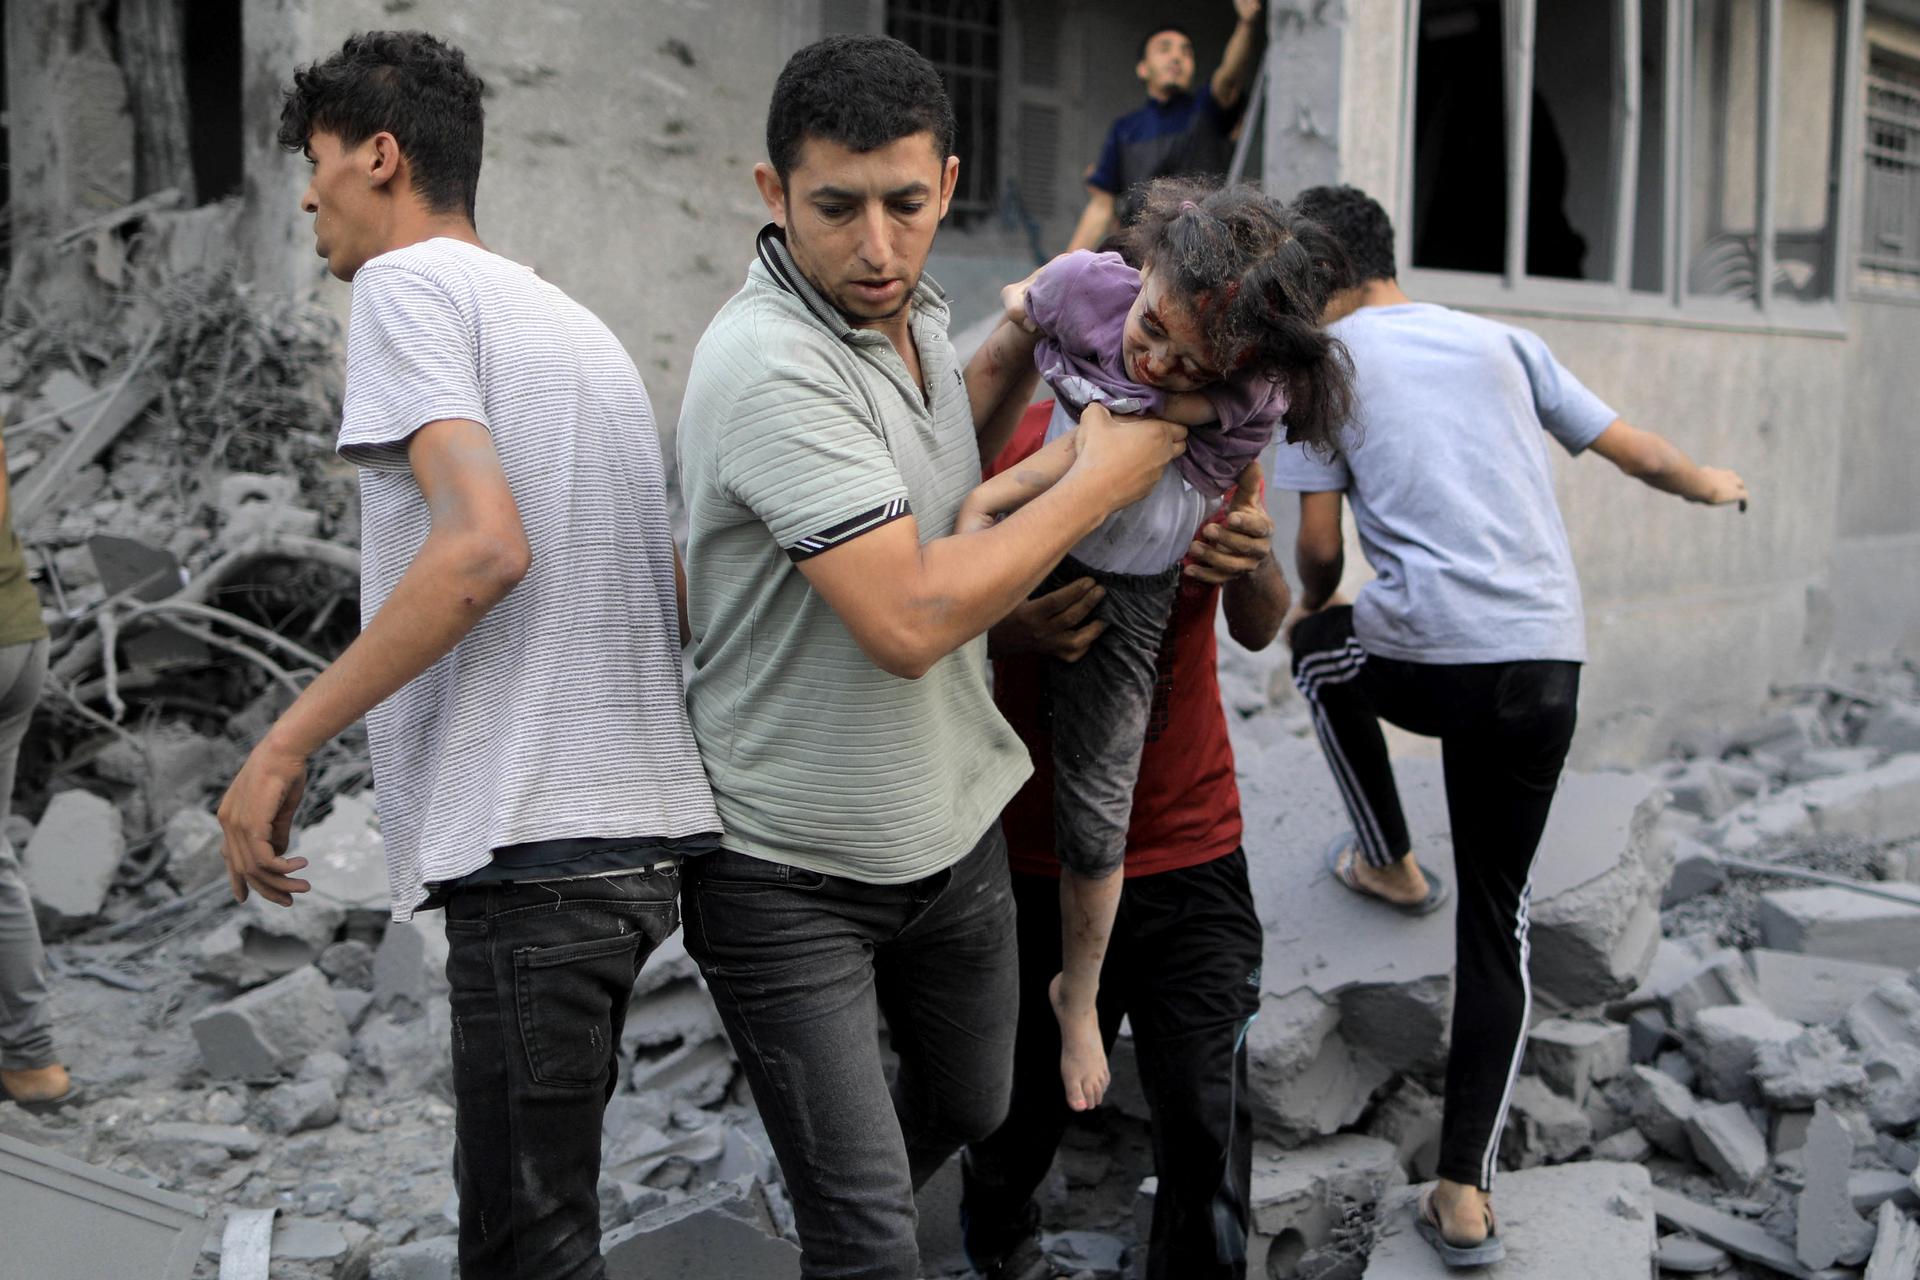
<point x="1339" y="863"/>
<point x="1490" y="1250"/>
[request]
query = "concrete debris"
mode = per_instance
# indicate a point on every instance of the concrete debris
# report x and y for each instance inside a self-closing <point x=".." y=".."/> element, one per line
<point x="1696" y="870"/>
<point x="1813" y="989"/>
<point x="1683" y="1255"/>
<point x="1719" y="980"/>
<point x="1896" y="1247"/>
<point x="1629" y="1146"/>
<point x="1648" y="1032"/>
<point x="1542" y="1127"/>
<point x="1573" y="1056"/>
<point x="435" y="1259"/>
<point x="71" y="860"/>
<point x="267" y="1031"/>
<point x="409" y="1055"/>
<point x="1841" y="925"/>
<point x="1409" y="1117"/>
<point x="1662" y="1108"/>
<point x="1571" y="1222"/>
<point x="1725" y="1043"/>
<point x="724" y="1230"/>
<point x="1742" y="1239"/>
<point x="1829" y="1230"/>
<point x="410" y="965"/>
<point x="261" y="941"/>
<point x="1298" y="1195"/>
<point x="1871" y="1188"/>
<point x="311" y="1240"/>
<point x="66" y="1218"/>
<point x="192" y="842"/>
<point x="1892" y="727"/>
<point x="1726" y="1141"/>
<point x="299" y="1105"/>
<point x="346" y="861"/>
<point x="1811" y="1068"/>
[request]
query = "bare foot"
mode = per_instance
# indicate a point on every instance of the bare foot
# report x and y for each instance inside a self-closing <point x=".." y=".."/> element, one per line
<point x="1400" y="882"/>
<point x="1463" y="1213"/>
<point x="1083" y="1059"/>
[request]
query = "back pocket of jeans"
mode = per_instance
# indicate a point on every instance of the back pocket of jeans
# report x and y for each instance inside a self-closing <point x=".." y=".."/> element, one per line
<point x="567" y="995"/>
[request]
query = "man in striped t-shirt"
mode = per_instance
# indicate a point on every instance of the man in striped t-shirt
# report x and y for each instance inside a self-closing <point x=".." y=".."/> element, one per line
<point x="517" y="666"/>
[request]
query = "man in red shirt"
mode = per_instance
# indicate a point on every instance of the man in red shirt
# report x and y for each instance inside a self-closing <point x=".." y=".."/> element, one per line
<point x="1184" y="961"/>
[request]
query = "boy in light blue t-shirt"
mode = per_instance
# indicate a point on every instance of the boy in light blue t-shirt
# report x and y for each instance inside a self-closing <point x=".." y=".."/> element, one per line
<point x="1472" y="632"/>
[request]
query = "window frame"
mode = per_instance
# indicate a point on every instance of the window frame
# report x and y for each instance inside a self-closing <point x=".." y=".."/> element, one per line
<point x="1867" y="282"/>
<point x="1512" y="289"/>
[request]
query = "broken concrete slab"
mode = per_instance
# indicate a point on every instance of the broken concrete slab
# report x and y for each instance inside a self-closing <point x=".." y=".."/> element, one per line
<point x="192" y="840"/>
<point x="1303" y="1079"/>
<point x="1698" y="787"/>
<point x="1574" y="1056"/>
<point x="410" y="964"/>
<point x="1879" y="804"/>
<point x="1297" y="1194"/>
<point x="435" y="1259"/>
<point x="1542" y="1127"/>
<point x="260" y="941"/>
<point x="1648" y="1032"/>
<point x="1886" y="1016"/>
<point x="1813" y="989"/>
<point x="1893" y="727"/>
<point x="700" y="1073"/>
<point x="1868" y="1189"/>
<point x="1716" y="981"/>
<point x="1571" y="1222"/>
<point x="1629" y="1146"/>
<point x="1725" y="1042"/>
<point x="1410" y="1117"/>
<point x="1743" y="1239"/>
<point x="723" y="1230"/>
<point x="268" y="1031"/>
<point x="60" y="1217"/>
<point x="1828" y="1230"/>
<point x="1841" y="925"/>
<point x="1896" y="1247"/>
<point x="1686" y="1256"/>
<point x="315" y="1240"/>
<point x="1725" y="1140"/>
<point x="1811" y="1068"/>
<point x="1662" y="1108"/>
<point x="299" y="1105"/>
<point x="1696" y="870"/>
<point x="409" y="1056"/>
<point x="1833" y="762"/>
<point x="71" y="860"/>
<point x="346" y="858"/>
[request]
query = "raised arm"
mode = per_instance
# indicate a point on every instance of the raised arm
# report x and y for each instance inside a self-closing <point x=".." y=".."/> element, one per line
<point x="1230" y="79"/>
<point x="475" y="553"/>
<point x="1656" y="461"/>
<point x="1096" y="220"/>
<point x="908" y="604"/>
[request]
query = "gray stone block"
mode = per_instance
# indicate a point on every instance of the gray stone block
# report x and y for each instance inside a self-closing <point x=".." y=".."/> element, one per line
<point x="1589" y="1221"/>
<point x="1813" y="989"/>
<point x="1685" y="1256"/>
<point x="1698" y="787"/>
<point x="725" y="1229"/>
<point x="1303" y="1078"/>
<point x="1542" y="1127"/>
<point x="1842" y="925"/>
<point x="1409" y="1117"/>
<point x="1648" y="1032"/>
<point x="411" y="1056"/>
<point x="192" y="840"/>
<point x="1574" y="1056"/>
<point x="1725" y="1140"/>
<point x="269" y="1030"/>
<point x="315" y="1240"/>
<point x="1893" y="727"/>
<point x="299" y="1105"/>
<point x="346" y="859"/>
<point x="1297" y="1194"/>
<point x="1662" y="1106"/>
<point x="410" y="964"/>
<point x="1725" y="1043"/>
<point x="260" y="941"/>
<point x="1696" y="870"/>
<point x="73" y="856"/>
<point x="1828" y="1230"/>
<point x="1886" y="1016"/>
<point x="1629" y="1146"/>
<point x="1811" y="1068"/>
<point x="1719" y="980"/>
<point x="435" y="1259"/>
<point x="1833" y="762"/>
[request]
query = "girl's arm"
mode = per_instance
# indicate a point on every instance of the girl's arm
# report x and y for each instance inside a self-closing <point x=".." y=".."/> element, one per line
<point x="1189" y="409"/>
<point x="1016" y="486"/>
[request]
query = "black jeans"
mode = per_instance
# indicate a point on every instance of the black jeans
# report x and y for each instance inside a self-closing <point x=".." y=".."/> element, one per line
<point x="801" y="966"/>
<point x="541" y="975"/>
<point x="1184" y="967"/>
<point x="1504" y="730"/>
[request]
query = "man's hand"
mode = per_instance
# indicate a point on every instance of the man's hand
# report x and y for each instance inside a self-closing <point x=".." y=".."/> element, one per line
<point x="1013" y="302"/>
<point x="1125" y="456"/>
<point x="256" y="820"/>
<point x="1717" y="486"/>
<point x="1248" y="10"/>
<point x="1054" y="625"/>
<point x="1239" y="544"/>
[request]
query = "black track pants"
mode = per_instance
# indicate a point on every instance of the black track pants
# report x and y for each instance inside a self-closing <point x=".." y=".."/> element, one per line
<point x="1504" y="729"/>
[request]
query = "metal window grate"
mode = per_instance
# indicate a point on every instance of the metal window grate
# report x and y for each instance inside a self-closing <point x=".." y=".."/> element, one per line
<point x="962" y="40"/>
<point x="1890" y="243"/>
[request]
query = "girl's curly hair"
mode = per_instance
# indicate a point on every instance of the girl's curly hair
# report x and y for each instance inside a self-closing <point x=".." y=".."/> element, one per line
<point x="1256" y="275"/>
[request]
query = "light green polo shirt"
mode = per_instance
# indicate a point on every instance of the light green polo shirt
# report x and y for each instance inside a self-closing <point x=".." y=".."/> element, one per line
<point x="797" y="433"/>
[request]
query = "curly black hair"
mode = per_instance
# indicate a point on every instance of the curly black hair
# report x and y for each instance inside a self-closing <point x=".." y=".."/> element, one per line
<point x="407" y="83"/>
<point x="1360" y="225"/>
<point x="862" y="92"/>
<point x="1256" y="274"/>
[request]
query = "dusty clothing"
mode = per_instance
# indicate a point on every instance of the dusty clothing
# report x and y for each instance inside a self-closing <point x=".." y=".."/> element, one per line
<point x="560" y="714"/>
<point x="800" y="432"/>
<point x="1187" y="135"/>
<point x="26" y="1031"/>
<point x="1446" y="466"/>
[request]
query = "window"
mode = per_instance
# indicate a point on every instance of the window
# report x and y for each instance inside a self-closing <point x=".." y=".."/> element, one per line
<point x="1629" y="153"/>
<point x="962" y="39"/>
<point x="1890" y="236"/>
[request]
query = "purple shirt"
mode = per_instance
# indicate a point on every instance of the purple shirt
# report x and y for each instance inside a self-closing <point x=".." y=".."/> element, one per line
<point x="1080" y="303"/>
